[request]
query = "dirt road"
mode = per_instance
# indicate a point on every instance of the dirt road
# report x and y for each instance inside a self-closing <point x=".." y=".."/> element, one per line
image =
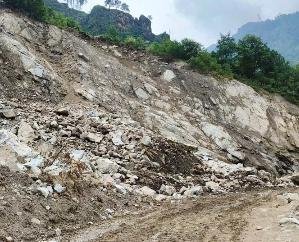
<point x="237" y="217"/>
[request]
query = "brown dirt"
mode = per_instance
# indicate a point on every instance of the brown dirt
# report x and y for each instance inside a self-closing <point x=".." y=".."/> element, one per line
<point x="214" y="218"/>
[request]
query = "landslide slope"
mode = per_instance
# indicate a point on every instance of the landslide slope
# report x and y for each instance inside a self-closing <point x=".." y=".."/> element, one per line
<point x="90" y="132"/>
<point x="226" y="117"/>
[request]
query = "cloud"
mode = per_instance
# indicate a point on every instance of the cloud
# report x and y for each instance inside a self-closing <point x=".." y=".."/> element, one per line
<point x="223" y="16"/>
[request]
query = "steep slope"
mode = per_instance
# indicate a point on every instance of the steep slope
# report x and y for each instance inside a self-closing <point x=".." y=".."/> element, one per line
<point x="101" y="19"/>
<point x="281" y="34"/>
<point x="89" y="131"/>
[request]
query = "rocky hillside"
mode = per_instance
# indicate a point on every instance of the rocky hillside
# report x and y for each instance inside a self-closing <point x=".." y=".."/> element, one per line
<point x="281" y="34"/>
<point x="89" y="131"/>
<point x="101" y="19"/>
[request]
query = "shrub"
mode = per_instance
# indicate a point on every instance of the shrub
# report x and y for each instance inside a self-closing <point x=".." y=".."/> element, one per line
<point x="168" y="50"/>
<point x="190" y="49"/>
<point x="112" y="36"/>
<point x="37" y="10"/>
<point x="135" y="43"/>
<point x="205" y="63"/>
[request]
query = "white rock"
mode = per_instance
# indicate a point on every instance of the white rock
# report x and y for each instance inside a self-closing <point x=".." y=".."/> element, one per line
<point x="194" y="191"/>
<point x="58" y="232"/>
<point x="167" y="190"/>
<point x="26" y="133"/>
<point x="146" y="140"/>
<point x="44" y="191"/>
<point x="289" y="221"/>
<point x="120" y="189"/>
<point x="213" y="186"/>
<point x="290" y="197"/>
<point x="146" y="191"/>
<point x="59" y="188"/>
<point x="117" y="138"/>
<point x="160" y="197"/>
<point x="168" y="75"/>
<point x="35" y="221"/>
<point x="96" y="138"/>
<point x="106" y="166"/>
<point x="140" y="93"/>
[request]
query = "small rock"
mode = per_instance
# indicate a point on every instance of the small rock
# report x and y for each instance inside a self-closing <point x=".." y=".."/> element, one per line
<point x="259" y="228"/>
<point x="9" y="239"/>
<point x="146" y="140"/>
<point x="295" y="178"/>
<point x="36" y="221"/>
<point x="26" y="133"/>
<point x="8" y="114"/>
<point x="146" y="191"/>
<point x="168" y="75"/>
<point x="62" y="112"/>
<point x="43" y="191"/>
<point x="289" y="221"/>
<point x="194" y="191"/>
<point x="95" y="138"/>
<point x="59" y="188"/>
<point x="58" y="232"/>
<point x="83" y="57"/>
<point x="167" y="190"/>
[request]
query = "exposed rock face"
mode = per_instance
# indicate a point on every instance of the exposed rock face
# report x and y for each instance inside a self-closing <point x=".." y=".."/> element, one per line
<point x="101" y="19"/>
<point x="114" y="118"/>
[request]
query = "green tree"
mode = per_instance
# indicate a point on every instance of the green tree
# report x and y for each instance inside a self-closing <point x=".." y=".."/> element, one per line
<point x="125" y="7"/>
<point x="190" y="48"/>
<point x="251" y="53"/>
<point x="34" y="8"/>
<point x="112" y="3"/>
<point x="226" y="51"/>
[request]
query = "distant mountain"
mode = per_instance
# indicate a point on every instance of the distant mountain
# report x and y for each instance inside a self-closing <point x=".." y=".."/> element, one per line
<point x="101" y="19"/>
<point x="281" y="34"/>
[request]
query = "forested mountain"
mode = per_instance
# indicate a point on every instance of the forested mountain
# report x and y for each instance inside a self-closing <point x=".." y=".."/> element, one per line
<point x="101" y="19"/>
<point x="281" y="34"/>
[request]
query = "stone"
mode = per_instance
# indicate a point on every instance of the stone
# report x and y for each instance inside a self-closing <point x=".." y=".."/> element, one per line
<point x="117" y="53"/>
<point x="141" y="94"/>
<point x="167" y="190"/>
<point x="12" y="151"/>
<point x="194" y="191"/>
<point x="213" y="186"/>
<point x="117" y="138"/>
<point x="160" y="197"/>
<point x="43" y="191"/>
<point x="146" y="140"/>
<point x="59" y="188"/>
<point x="295" y="178"/>
<point x="9" y="239"/>
<point x="62" y="112"/>
<point x="288" y="221"/>
<point x="146" y="191"/>
<point x="36" y="221"/>
<point x="26" y="133"/>
<point x="168" y="75"/>
<point x="8" y="114"/>
<point x="120" y="189"/>
<point x="58" y="232"/>
<point x="290" y="197"/>
<point x="95" y="138"/>
<point x="106" y="166"/>
<point x="83" y="57"/>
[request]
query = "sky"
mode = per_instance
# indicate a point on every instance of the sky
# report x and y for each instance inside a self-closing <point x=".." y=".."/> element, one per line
<point x="204" y="20"/>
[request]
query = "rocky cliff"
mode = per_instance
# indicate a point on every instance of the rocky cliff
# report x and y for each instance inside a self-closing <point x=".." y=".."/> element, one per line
<point x="100" y="19"/>
<point x="78" y="111"/>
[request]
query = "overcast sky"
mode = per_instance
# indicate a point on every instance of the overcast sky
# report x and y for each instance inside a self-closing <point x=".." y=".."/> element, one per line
<point x="204" y="20"/>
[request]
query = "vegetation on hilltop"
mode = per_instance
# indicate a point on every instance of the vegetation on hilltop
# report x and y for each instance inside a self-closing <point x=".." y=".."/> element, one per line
<point x="36" y="9"/>
<point x="280" y="34"/>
